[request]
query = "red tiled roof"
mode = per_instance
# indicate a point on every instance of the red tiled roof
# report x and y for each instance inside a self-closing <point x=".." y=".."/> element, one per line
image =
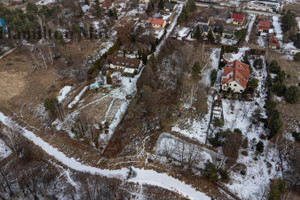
<point x="264" y="25"/>
<point x="107" y="4"/>
<point x="273" y="41"/>
<point x="237" y="17"/>
<point x="240" y="73"/>
<point x="156" y="21"/>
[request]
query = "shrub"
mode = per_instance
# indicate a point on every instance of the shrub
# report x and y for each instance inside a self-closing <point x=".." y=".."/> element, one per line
<point x="279" y="77"/>
<point x="218" y="139"/>
<point x="278" y="88"/>
<point x="258" y="63"/>
<point x="296" y="135"/>
<point x="297" y="57"/>
<point x="256" y="115"/>
<point x="210" y="171"/>
<point x="292" y="94"/>
<point x="253" y="83"/>
<point x="274" y="67"/>
<point x="213" y="77"/>
<point x="196" y="69"/>
<point x="50" y="104"/>
<point x="260" y="146"/>
<point x="274" y="127"/>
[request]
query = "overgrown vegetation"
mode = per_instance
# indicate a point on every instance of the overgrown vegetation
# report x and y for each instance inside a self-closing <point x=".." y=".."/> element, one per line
<point x="213" y="77"/>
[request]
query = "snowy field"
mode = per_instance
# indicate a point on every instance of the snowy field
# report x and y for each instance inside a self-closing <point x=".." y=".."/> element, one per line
<point x="4" y="150"/>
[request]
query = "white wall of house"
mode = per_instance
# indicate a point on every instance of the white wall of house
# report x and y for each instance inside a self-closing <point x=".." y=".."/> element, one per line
<point x="235" y="87"/>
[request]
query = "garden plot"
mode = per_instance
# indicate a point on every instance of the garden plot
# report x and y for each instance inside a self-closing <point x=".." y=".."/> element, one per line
<point x="105" y="106"/>
<point x="260" y="168"/>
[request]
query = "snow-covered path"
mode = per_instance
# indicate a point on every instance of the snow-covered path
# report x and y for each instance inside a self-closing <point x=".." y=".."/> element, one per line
<point x="253" y="17"/>
<point x="277" y="27"/>
<point x="170" y="29"/>
<point x="149" y="177"/>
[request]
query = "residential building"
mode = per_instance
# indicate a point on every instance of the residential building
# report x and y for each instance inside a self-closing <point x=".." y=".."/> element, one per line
<point x="169" y="7"/>
<point x="235" y="76"/>
<point x="204" y="29"/>
<point x="107" y="4"/>
<point x="85" y="8"/>
<point x="237" y="19"/>
<point x="273" y="42"/>
<point x="203" y="21"/>
<point x="228" y="31"/>
<point x="129" y="66"/>
<point x="264" y="26"/>
<point x="157" y="23"/>
<point x="144" y="1"/>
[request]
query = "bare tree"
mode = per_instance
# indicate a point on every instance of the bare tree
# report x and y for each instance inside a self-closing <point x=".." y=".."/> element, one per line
<point x="12" y="136"/>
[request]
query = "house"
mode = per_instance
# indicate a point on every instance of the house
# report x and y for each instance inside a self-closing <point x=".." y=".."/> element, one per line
<point x="129" y="66"/>
<point x="273" y="42"/>
<point x="107" y="4"/>
<point x="85" y="8"/>
<point x="144" y="1"/>
<point x="169" y="7"/>
<point x="237" y="19"/>
<point x="228" y="32"/>
<point x="264" y="26"/>
<point x="204" y="29"/>
<point x="22" y="7"/>
<point x="203" y="21"/>
<point x="235" y="76"/>
<point x="157" y="23"/>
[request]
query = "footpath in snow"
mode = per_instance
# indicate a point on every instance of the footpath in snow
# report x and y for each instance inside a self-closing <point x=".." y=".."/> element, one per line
<point x="149" y="177"/>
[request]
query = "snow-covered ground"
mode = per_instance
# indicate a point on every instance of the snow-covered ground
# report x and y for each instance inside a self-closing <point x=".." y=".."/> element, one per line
<point x="181" y="151"/>
<point x="4" y="150"/>
<point x="46" y="2"/>
<point x="63" y="93"/>
<point x="197" y="128"/>
<point x="227" y="41"/>
<point x="183" y="32"/>
<point x="261" y="41"/>
<point x="78" y="97"/>
<point x="151" y="177"/>
<point x="250" y="26"/>
<point x="142" y="176"/>
<point x="237" y="114"/>
<point x="238" y="55"/>
<point x="277" y="28"/>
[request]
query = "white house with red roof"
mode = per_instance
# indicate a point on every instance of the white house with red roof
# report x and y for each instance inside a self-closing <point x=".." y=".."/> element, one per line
<point x="237" y="19"/>
<point x="235" y="76"/>
<point x="157" y="23"/>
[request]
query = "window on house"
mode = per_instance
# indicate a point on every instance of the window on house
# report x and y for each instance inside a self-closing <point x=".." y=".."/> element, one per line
<point x="132" y="65"/>
<point x="234" y="85"/>
<point x="241" y="90"/>
<point x="118" y="62"/>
